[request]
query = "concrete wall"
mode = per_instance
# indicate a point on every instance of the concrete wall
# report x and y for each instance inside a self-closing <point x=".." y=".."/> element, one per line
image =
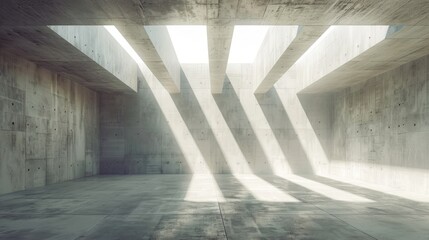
<point x="381" y="129"/>
<point x="48" y="127"/>
<point x="196" y="131"/>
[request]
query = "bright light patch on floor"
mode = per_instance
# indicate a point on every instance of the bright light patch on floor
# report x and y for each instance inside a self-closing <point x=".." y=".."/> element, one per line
<point x="263" y="190"/>
<point x="325" y="190"/>
<point x="402" y="194"/>
<point x="190" y="43"/>
<point x="204" y="188"/>
<point x="246" y="42"/>
<point x="123" y="42"/>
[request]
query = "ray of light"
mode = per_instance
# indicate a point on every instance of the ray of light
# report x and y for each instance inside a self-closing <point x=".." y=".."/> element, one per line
<point x="424" y="198"/>
<point x="237" y="163"/>
<point x="306" y="135"/>
<point x="325" y="190"/>
<point x="204" y="188"/>
<point x="262" y="190"/>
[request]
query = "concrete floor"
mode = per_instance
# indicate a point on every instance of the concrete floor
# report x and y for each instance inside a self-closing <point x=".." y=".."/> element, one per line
<point x="154" y="207"/>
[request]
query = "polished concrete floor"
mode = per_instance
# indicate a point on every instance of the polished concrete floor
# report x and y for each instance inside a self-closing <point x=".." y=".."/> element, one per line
<point x="200" y="207"/>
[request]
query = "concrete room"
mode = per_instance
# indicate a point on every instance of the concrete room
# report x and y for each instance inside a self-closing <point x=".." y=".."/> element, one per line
<point x="214" y="119"/>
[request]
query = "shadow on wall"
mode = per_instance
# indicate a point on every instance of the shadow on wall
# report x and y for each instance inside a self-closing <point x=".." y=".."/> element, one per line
<point x="318" y="109"/>
<point x="157" y="132"/>
<point x="284" y="132"/>
<point x="193" y="116"/>
<point x="136" y="137"/>
<point x="232" y="111"/>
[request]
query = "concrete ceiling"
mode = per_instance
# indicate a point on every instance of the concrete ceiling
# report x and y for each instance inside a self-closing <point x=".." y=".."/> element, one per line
<point x="130" y="14"/>
<point x="154" y="12"/>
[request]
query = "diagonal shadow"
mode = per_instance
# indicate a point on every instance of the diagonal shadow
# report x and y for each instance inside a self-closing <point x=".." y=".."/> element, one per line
<point x="148" y="135"/>
<point x="284" y="132"/>
<point x="194" y="118"/>
<point x="238" y="123"/>
<point x="233" y="190"/>
<point x="318" y="108"/>
<point x="303" y="194"/>
<point x="314" y="190"/>
<point x="191" y="111"/>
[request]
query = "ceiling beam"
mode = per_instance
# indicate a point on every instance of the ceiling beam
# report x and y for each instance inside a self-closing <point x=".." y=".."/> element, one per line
<point x="281" y="48"/>
<point x="219" y="38"/>
<point x="154" y="46"/>
<point x="352" y="54"/>
<point x="88" y="55"/>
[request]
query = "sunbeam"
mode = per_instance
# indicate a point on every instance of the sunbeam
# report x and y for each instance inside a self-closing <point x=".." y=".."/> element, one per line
<point x="325" y="190"/>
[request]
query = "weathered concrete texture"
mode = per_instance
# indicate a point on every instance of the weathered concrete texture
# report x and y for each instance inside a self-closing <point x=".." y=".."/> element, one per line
<point x="100" y="46"/>
<point x="347" y="55"/>
<point x="381" y="129"/>
<point x="155" y="207"/>
<point x="232" y="132"/>
<point x="87" y="54"/>
<point x="167" y="12"/>
<point x="219" y="37"/>
<point x="48" y="127"/>
<point x="281" y="48"/>
<point x="154" y="46"/>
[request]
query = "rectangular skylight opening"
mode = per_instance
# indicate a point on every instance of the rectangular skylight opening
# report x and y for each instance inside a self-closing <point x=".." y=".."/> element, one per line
<point x="246" y="42"/>
<point x="190" y="43"/>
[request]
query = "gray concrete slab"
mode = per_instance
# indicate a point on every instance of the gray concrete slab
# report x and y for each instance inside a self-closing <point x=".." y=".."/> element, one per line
<point x="386" y="227"/>
<point x="281" y="48"/>
<point x="51" y="227"/>
<point x="219" y="37"/>
<point x="88" y="55"/>
<point x="348" y="55"/>
<point x="199" y="12"/>
<point x="260" y="226"/>
<point x="155" y="207"/>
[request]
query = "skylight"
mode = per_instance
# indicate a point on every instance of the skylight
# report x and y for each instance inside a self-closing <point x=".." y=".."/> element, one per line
<point x="190" y="43"/>
<point x="246" y="42"/>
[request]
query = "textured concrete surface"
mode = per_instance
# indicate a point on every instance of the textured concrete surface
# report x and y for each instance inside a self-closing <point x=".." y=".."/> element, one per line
<point x="281" y="48"/>
<point x="100" y="46"/>
<point x="167" y="12"/>
<point x="375" y="129"/>
<point x="78" y="51"/>
<point x="195" y="131"/>
<point x="219" y="37"/>
<point x="219" y="16"/>
<point x="48" y="127"/>
<point x="382" y="127"/>
<point x="155" y="207"/>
